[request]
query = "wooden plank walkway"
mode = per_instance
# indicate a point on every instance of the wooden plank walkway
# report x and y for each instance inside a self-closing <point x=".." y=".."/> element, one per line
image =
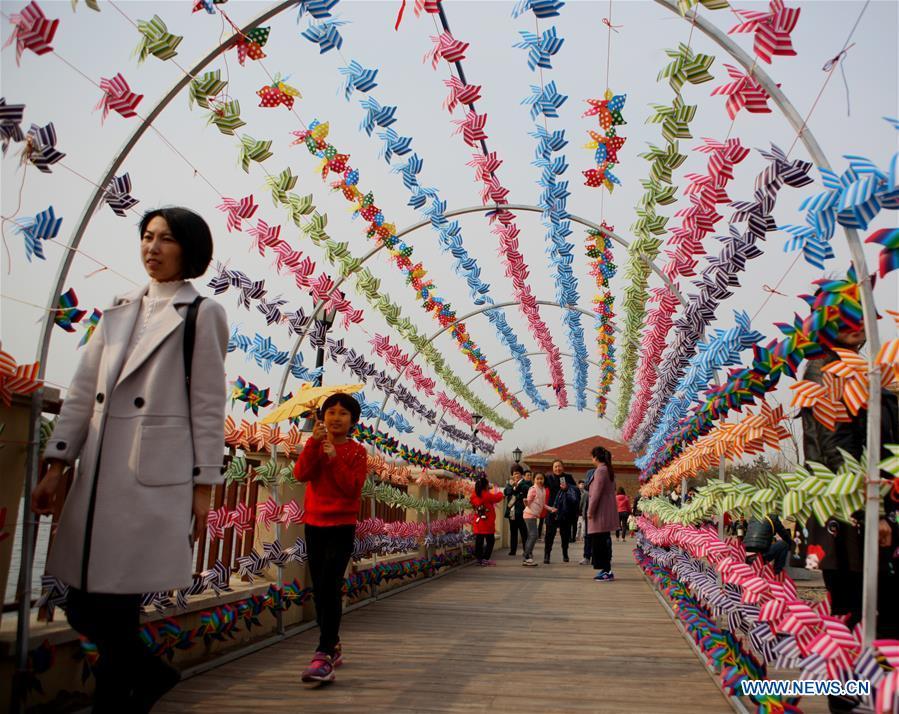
<point x="504" y="639"/>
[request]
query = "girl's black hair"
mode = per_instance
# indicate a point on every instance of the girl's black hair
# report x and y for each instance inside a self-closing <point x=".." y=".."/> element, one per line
<point x="481" y="485"/>
<point x="344" y="400"/>
<point x="192" y="234"/>
<point x="518" y="468"/>
<point x="602" y="455"/>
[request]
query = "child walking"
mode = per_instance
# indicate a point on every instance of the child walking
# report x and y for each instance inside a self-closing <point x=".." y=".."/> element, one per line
<point x="333" y="467"/>
<point x="535" y="508"/>
<point x="484" y="500"/>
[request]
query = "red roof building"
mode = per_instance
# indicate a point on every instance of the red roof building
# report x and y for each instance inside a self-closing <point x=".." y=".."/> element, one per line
<point x="576" y="458"/>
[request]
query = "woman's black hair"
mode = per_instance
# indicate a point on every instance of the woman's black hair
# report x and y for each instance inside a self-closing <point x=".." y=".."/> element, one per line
<point x="192" y="234"/>
<point x="603" y="455"/>
<point x="344" y="400"/>
<point x="621" y="491"/>
<point x="481" y="484"/>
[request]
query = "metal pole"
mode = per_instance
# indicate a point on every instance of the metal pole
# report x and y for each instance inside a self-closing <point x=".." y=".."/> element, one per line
<point x="872" y="480"/>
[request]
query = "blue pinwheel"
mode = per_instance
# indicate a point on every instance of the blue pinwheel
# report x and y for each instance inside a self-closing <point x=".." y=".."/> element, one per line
<point x="44" y="226"/>
<point x="540" y="47"/>
<point x="806" y="238"/>
<point x="545" y="100"/>
<point x="376" y="115"/>
<point x="394" y="144"/>
<point x="540" y="8"/>
<point x="325" y="34"/>
<point x="358" y="78"/>
<point x="317" y="8"/>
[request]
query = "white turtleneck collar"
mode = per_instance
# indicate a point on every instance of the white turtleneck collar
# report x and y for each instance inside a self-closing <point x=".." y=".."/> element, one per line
<point x="164" y="291"/>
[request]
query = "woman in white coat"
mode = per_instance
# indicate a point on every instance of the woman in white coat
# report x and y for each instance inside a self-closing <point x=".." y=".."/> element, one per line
<point x="149" y="443"/>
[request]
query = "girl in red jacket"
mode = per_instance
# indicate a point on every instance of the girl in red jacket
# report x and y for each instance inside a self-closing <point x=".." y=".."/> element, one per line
<point x="484" y="500"/>
<point x="333" y="466"/>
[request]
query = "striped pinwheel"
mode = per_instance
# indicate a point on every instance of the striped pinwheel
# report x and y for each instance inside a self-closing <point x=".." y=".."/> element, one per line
<point x="117" y="96"/>
<point x="743" y="92"/>
<point x="686" y="67"/>
<point x="772" y="29"/>
<point x="206" y="87"/>
<point x="90" y="326"/>
<point x="226" y="116"/>
<point x="11" y="116"/>
<point x="118" y="195"/>
<point x="540" y="47"/>
<point x="44" y="226"/>
<point x="156" y="40"/>
<point x="41" y="147"/>
<point x="325" y="34"/>
<point x="358" y="78"/>
<point x="253" y="150"/>
<point x="31" y="31"/>
<point x="67" y="313"/>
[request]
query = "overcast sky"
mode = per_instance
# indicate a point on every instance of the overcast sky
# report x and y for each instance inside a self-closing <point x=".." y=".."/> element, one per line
<point x="101" y="44"/>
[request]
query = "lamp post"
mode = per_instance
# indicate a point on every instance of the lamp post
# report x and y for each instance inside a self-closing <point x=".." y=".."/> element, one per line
<point x="516" y="454"/>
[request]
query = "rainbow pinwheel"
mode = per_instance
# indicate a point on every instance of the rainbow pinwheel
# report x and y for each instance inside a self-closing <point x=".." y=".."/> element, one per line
<point x="251" y="44"/>
<point x="90" y="325"/>
<point x="358" y="78"/>
<point x="889" y="256"/>
<point x="118" y="97"/>
<point x="206" y="87"/>
<point x="11" y="116"/>
<point x="41" y="148"/>
<point x="277" y="93"/>
<point x="31" y="31"/>
<point x="67" y="313"/>
<point x="156" y="40"/>
<point x="772" y="29"/>
<point x="252" y="396"/>
<point x="118" y="195"/>
<point x="44" y="226"/>
<point x="325" y="34"/>
<point x="743" y="92"/>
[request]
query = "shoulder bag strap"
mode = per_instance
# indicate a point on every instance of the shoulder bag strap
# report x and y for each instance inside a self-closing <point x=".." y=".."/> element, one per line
<point x="190" y="333"/>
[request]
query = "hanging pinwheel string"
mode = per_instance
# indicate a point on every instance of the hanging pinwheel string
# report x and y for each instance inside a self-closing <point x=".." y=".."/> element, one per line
<point x="389" y="445"/>
<point x="545" y="100"/>
<point x="486" y="164"/>
<point x="603" y="269"/>
<point x="684" y="67"/>
<point x="315" y="139"/>
<point x="721" y="274"/>
<point x="704" y="191"/>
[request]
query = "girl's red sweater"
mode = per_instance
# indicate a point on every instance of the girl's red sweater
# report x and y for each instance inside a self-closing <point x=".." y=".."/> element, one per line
<point x="488" y="499"/>
<point x="333" y="486"/>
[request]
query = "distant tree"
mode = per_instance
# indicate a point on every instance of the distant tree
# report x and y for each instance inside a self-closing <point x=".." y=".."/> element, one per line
<point x="747" y="472"/>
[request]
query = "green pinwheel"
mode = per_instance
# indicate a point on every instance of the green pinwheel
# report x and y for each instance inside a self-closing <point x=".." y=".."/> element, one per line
<point x="253" y="150"/>
<point x="205" y="88"/>
<point x="280" y="185"/>
<point x="227" y="117"/>
<point x="156" y="40"/>
<point x="298" y="206"/>
<point x="686" y="67"/>
<point x="675" y="119"/>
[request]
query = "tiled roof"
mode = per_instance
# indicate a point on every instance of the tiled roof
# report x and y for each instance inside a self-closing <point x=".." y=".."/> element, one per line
<point x="579" y="451"/>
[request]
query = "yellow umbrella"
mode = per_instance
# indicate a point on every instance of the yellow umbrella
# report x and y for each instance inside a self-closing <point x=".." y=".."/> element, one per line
<point x="308" y="399"/>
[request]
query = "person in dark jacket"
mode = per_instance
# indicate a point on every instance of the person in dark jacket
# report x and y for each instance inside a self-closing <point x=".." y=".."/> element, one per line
<point x="842" y="544"/>
<point x="780" y="547"/>
<point x="567" y="501"/>
<point x="516" y="491"/>
<point x="552" y="483"/>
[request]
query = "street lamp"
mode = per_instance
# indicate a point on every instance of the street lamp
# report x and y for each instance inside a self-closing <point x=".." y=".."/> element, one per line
<point x="517" y="455"/>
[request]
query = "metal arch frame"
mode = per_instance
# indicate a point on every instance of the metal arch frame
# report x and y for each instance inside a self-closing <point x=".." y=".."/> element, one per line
<point x="872" y="476"/>
<point x="450" y="214"/>
<point x="496" y="365"/>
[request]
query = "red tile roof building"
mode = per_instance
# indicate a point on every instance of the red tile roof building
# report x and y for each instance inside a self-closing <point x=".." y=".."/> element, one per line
<point x="576" y="458"/>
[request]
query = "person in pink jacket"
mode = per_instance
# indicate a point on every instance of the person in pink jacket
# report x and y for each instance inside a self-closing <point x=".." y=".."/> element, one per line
<point x="535" y="508"/>
<point x="602" y="512"/>
<point x="484" y="500"/>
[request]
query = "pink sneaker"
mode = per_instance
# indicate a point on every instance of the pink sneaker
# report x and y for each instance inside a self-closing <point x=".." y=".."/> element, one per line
<point x="337" y="658"/>
<point x="320" y="670"/>
<point x="491" y="563"/>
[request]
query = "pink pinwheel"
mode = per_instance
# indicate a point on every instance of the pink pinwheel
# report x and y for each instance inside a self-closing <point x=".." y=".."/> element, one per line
<point x="460" y="93"/>
<point x="471" y="127"/>
<point x="302" y="273"/>
<point x="446" y="47"/>
<point x="484" y="165"/>
<point x="268" y="512"/>
<point x="117" y="96"/>
<point x="772" y="29"/>
<point x="743" y="91"/>
<point x="291" y="513"/>
<point x="216" y="522"/>
<point x="241" y="519"/>
<point x="265" y="236"/>
<point x="238" y="210"/>
<point x="33" y="31"/>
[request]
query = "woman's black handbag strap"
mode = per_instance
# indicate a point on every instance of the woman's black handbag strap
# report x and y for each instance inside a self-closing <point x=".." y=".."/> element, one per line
<point x="190" y="333"/>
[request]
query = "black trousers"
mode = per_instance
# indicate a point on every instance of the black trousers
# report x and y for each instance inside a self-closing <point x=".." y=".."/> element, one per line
<point x="622" y="524"/>
<point x="517" y="527"/>
<point x="563" y="528"/>
<point x="125" y="667"/>
<point x="602" y="551"/>
<point x="329" y="549"/>
<point x="573" y="526"/>
<point x="549" y="536"/>
<point x="483" y="546"/>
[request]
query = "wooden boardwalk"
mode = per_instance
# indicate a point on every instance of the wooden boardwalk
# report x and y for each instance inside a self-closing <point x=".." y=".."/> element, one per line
<point x="504" y="639"/>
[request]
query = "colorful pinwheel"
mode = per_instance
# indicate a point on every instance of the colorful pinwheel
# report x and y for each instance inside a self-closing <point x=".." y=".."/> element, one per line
<point x="252" y="396"/>
<point x="16" y="378"/>
<point x="67" y="313"/>
<point x="889" y="256"/>
<point x="251" y="44"/>
<point x="277" y="93"/>
<point x="90" y="325"/>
